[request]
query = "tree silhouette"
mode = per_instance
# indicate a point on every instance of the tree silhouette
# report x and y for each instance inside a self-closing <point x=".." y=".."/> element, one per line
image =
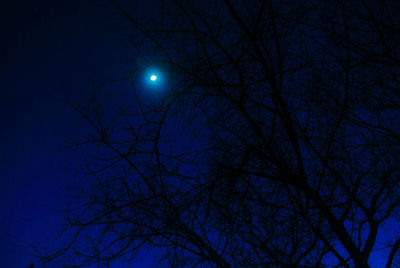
<point x="275" y="142"/>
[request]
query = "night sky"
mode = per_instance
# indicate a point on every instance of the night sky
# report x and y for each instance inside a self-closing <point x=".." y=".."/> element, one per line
<point x="50" y="50"/>
<point x="47" y="48"/>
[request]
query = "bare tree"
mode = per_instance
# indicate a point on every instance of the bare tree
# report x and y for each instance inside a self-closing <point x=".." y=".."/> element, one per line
<point x="275" y="144"/>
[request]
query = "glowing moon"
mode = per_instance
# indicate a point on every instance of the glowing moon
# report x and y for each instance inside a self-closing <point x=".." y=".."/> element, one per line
<point x="153" y="77"/>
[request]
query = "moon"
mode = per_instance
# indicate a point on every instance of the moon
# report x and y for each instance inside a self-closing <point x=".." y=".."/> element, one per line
<point x="153" y="77"/>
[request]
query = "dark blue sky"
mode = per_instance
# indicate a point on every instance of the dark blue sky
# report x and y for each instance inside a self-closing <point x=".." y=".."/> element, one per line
<point x="46" y="44"/>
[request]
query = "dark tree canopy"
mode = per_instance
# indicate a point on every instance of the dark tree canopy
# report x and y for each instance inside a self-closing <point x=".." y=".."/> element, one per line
<point x="275" y="141"/>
